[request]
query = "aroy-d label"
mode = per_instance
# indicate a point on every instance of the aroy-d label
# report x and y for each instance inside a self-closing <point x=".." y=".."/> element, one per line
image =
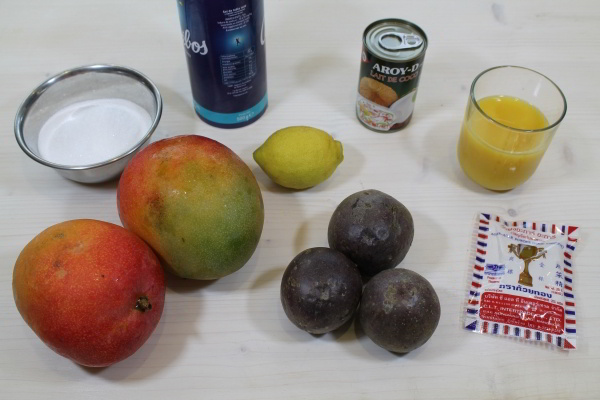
<point x="391" y="65"/>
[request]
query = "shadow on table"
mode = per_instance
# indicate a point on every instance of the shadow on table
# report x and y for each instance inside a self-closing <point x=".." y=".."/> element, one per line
<point x="317" y="223"/>
<point x="266" y="311"/>
<point x="315" y="73"/>
<point x="176" y="327"/>
<point x="173" y="100"/>
<point x="434" y="348"/>
<point x="149" y="360"/>
<point x="437" y="152"/>
<point x="348" y="170"/>
<point x="429" y="246"/>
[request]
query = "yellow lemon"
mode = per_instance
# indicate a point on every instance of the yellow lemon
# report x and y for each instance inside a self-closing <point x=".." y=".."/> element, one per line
<point x="299" y="157"/>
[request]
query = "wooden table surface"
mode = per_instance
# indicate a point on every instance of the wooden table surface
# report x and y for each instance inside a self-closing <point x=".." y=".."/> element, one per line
<point x="230" y="339"/>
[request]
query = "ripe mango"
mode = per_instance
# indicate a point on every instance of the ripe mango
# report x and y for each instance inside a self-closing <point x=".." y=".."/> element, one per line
<point x="91" y="290"/>
<point x="195" y="202"/>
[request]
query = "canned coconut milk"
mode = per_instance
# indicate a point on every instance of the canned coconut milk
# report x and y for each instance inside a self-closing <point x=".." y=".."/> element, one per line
<point x="391" y="63"/>
<point x="224" y="43"/>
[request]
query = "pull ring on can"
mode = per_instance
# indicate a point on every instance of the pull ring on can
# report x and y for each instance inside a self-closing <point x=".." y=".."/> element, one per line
<point x="391" y="64"/>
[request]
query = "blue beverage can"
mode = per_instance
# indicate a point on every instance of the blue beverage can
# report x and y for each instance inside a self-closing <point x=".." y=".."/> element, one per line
<point x="224" y="43"/>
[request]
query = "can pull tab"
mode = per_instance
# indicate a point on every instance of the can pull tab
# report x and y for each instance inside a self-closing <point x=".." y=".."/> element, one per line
<point x="396" y="41"/>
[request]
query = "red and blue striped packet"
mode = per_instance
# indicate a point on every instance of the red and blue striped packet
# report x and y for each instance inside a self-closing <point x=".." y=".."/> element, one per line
<point x="521" y="282"/>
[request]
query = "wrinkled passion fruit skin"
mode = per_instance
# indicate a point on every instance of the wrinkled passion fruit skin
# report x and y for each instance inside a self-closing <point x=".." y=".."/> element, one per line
<point x="373" y="229"/>
<point x="320" y="290"/>
<point x="399" y="310"/>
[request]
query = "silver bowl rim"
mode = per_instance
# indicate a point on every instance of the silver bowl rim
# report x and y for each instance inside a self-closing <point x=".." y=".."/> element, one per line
<point x="25" y="107"/>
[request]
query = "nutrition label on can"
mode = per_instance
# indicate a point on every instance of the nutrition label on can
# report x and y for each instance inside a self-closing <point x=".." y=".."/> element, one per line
<point x="225" y="47"/>
<point x="239" y="67"/>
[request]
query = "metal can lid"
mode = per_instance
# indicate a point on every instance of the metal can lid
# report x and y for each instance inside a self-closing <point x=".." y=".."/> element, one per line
<point x="395" y="40"/>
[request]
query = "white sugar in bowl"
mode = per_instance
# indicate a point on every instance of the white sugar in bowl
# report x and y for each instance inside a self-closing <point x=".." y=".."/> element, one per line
<point x="88" y="122"/>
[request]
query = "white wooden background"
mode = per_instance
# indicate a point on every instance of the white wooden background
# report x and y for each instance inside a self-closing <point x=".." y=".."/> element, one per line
<point x="230" y="339"/>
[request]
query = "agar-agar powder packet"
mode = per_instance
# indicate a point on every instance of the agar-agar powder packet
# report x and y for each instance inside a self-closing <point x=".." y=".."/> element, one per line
<point x="522" y="280"/>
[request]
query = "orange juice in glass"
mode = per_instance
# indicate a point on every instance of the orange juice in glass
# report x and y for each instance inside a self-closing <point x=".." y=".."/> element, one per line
<point x="511" y="117"/>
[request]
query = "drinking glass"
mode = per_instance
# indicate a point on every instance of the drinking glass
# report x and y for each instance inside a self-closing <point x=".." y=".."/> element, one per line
<point x="511" y="117"/>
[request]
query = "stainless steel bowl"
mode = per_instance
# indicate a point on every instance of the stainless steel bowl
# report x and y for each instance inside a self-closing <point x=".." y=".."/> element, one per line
<point x="80" y="84"/>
